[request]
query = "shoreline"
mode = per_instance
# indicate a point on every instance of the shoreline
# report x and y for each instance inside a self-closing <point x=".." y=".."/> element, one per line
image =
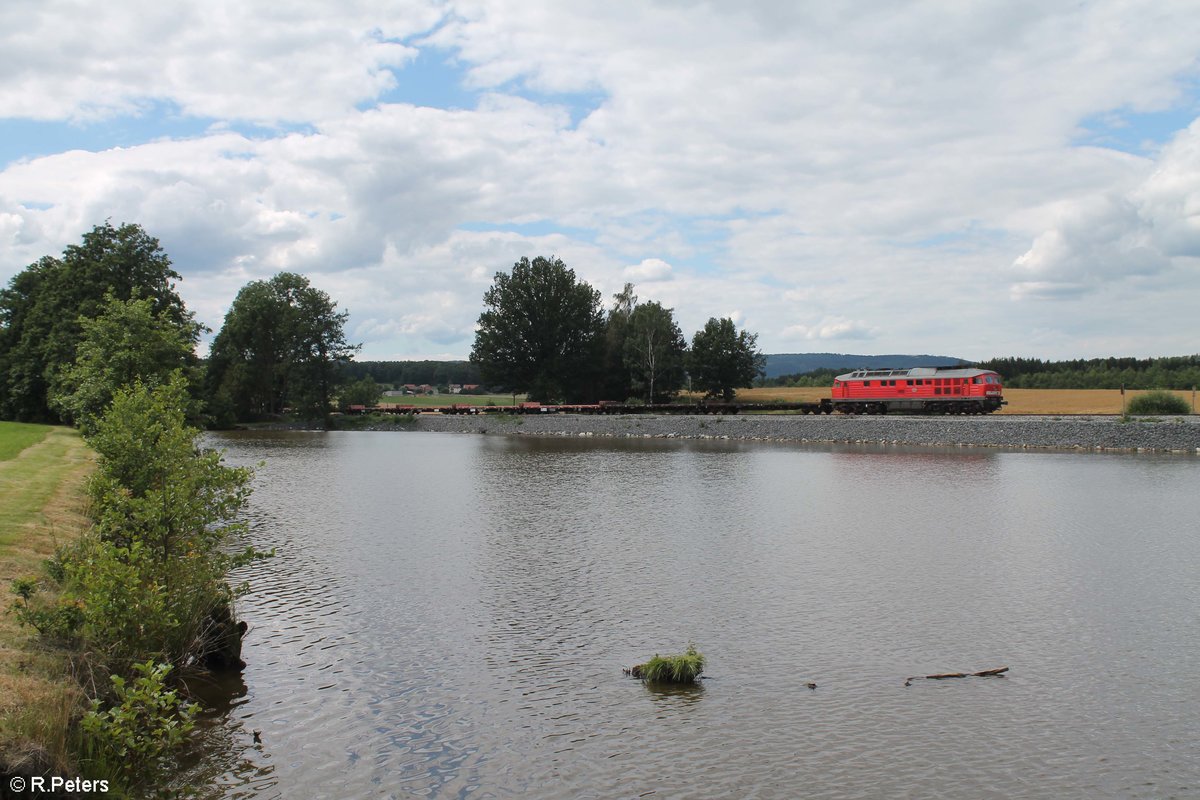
<point x="1180" y="435"/>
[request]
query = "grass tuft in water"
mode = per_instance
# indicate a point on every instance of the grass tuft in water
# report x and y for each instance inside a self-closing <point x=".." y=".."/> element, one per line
<point x="684" y="668"/>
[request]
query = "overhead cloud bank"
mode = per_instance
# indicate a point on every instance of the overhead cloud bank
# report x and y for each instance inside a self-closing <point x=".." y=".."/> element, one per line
<point x="909" y="179"/>
<point x="1144" y="234"/>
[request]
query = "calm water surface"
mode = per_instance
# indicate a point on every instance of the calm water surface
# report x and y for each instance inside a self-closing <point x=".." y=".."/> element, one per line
<point x="448" y="616"/>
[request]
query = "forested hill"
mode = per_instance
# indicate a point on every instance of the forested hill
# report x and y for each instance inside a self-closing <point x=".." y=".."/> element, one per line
<point x="799" y="363"/>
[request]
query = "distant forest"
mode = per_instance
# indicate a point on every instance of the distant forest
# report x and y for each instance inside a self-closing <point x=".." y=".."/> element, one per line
<point x="1177" y="372"/>
<point x="398" y="373"/>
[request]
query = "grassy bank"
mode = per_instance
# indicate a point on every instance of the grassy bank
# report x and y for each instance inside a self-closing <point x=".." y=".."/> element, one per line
<point x="42" y="472"/>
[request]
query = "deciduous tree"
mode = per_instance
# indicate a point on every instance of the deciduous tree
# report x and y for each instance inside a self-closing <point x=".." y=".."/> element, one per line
<point x="41" y="309"/>
<point x="542" y="332"/>
<point x="128" y="342"/>
<point x="282" y="344"/>
<point x="722" y="359"/>
<point x="654" y="352"/>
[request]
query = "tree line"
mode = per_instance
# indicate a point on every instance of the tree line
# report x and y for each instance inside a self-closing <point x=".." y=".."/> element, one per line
<point x="1175" y="372"/>
<point x="75" y="328"/>
<point x="544" y="332"/>
<point x="399" y="373"/>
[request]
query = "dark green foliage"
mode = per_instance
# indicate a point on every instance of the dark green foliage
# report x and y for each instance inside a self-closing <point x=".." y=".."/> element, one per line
<point x="542" y="333"/>
<point x="617" y="383"/>
<point x="818" y="377"/>
<point x="364" y="392"/>
<point x="126" y="343"/>
<point x="722" y="359"/>
<point x="1180" y="372"/>
<point x="282" y="345"/>
<point x="398" y="373"/>
<point x="40" y="311"/>
<point x="1158" y="401"/>
<point x="654" y="353"/>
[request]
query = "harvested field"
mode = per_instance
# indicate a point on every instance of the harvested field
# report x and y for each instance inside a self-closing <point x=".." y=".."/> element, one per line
<point x="1020" y="401"/>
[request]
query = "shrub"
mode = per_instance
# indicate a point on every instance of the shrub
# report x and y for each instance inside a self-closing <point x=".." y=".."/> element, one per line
<point x="1158" y="401"/>
<point x="139" y="733"/>
<point x="673" y="669"/>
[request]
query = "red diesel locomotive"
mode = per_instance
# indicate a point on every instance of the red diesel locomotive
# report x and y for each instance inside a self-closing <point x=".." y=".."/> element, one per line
<point x="930" y="390"/>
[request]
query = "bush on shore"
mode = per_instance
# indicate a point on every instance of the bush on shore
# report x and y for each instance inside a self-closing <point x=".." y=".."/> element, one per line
<point x="1158" y="401"/>
<point x="144" y="593"/>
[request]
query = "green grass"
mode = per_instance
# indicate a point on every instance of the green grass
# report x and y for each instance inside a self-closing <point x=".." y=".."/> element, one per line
<point x="41" y="483"/>
<point x="31" y="475"/>
<point x="683" y="668"/>
<point x="16" y="436"/>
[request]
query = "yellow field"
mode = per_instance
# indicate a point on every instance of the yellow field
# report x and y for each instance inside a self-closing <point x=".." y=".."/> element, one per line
<point x="1020" y="401"/>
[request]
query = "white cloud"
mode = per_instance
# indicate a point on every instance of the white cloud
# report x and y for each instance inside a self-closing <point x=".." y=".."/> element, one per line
<point x="649" y="270"/>
<point x="264" y="62"/>
<point x="1117" y="237"/>
<point x="831" y="172"/>
<point x="831" y="328"/>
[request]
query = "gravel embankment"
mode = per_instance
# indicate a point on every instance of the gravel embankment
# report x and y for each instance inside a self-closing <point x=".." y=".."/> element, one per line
<point x="1169" y="434"/>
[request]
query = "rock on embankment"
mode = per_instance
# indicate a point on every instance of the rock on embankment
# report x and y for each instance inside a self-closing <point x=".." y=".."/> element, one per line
<point x="1170" y="434"/>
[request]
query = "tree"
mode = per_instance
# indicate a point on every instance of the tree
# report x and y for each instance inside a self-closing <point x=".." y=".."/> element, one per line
<point x="128" y="342"/>
<point x="282" y="344"/>
<point x="654" y="352"/>
<point x="542" y="332"/>
<point x="364" y="392"/>
<point x="617" y="383"/>
<point x="722" y="359"/>
<point x="41" y="309"/>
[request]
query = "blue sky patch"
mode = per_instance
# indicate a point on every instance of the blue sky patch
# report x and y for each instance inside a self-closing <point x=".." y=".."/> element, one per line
<point x="433" y="80"/>
<point x="1138" y="134"/>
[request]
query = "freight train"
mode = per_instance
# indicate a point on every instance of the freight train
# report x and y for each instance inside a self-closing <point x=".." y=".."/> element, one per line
<point x="920" y="390"/>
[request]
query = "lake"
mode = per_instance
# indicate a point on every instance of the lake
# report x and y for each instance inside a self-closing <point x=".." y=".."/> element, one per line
<point x="449" y="615"/>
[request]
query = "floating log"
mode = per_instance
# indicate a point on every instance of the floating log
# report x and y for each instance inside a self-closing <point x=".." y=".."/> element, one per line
<point x="987" y="673"/>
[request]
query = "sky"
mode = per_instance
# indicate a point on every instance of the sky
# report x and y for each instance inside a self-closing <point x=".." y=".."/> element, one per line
<point x="970" y="179"/>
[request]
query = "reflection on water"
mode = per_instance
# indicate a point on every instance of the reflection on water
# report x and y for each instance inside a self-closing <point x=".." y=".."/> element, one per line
<point x="448" y="616"/>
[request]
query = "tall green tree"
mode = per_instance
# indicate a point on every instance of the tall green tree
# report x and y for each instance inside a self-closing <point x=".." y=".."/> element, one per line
<point x="542" y="332"/>
<point x="654" y="352"/>
<point x="127" y="342"/>
<point x="722" y="359"/>
<point x="617" y="383"/>
<point x="282" y="344"/>
<point x="41" y="309"/>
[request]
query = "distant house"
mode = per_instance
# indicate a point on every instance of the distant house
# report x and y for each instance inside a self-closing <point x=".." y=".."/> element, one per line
<point x="470" y="387"/>
<point x="455" y="388"/>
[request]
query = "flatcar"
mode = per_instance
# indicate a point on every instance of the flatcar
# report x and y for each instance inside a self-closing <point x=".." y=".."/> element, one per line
<point x="928" y="390"/>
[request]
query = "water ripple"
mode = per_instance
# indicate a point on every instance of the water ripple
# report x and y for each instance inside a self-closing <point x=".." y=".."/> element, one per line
<point x="448" y="615"/>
